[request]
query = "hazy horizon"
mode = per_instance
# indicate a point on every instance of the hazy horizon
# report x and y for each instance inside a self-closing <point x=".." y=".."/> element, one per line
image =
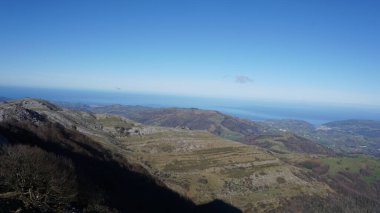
<point x="256" y="110"/>
<point x="176" y="95"/>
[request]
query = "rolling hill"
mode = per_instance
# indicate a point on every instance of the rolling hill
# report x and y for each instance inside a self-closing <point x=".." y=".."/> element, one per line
<point x="56" y="160"/>
<point x="196" y="119"/>
<point x="120" y="165"/>
<point x="349" y="136"/>
<point x="288" y="143"/>
<point x="229" y="127"/>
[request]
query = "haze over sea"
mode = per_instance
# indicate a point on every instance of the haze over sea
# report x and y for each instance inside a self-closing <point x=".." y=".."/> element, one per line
<point x="315" y="113"/>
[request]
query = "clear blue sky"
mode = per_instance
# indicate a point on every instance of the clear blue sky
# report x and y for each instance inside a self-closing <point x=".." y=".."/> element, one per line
<point x="317" y="50"/>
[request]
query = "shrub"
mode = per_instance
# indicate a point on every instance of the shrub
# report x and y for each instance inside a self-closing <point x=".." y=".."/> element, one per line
<point x="40" y="180"/>
<point x="281" y="180"/>
<point x="310" y="164"/>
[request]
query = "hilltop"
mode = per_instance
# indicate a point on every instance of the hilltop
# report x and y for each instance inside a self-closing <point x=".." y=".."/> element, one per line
<point x="248" y="132"/>
<point x="196" y="119"/>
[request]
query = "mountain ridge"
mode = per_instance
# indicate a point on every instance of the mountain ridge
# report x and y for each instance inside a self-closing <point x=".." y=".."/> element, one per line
<point x="226" y="126"/>
<point x="124" y="186"/>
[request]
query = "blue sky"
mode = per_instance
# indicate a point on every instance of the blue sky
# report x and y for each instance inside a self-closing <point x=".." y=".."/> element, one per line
<point x="313" y="51"/>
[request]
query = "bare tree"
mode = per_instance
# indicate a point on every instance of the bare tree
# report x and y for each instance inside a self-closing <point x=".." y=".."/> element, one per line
<point x="41" y="180"/>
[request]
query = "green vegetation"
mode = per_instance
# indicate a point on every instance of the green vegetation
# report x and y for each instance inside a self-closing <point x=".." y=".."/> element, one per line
<point x="367" y="167"/>
<point x="350" y="136"/>
<point x="284" y="143"/>
<point x="235" y="136"/>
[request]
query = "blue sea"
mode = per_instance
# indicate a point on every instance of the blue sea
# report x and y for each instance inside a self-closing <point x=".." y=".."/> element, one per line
<point x="257" y="110"/>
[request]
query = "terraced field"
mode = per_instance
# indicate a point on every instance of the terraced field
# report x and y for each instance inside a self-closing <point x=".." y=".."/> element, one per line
<point x="200" y="165"/>
<point x="204" y="167"/>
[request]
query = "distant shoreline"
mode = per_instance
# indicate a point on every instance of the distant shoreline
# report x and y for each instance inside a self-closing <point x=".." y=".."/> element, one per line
<point x="255" y="110"/>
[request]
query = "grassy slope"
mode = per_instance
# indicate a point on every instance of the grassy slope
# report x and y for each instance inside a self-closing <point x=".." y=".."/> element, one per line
<point x="284" y="143"/>
<point x="212" y="121"/>
<point x="204" y="167"/>
<point x="197" y="164"/>
<point x="228" y="127"/>
<point x="367" y="167"/>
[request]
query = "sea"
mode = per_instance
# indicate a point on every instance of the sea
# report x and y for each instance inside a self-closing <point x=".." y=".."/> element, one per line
<point x="256" y="110"/>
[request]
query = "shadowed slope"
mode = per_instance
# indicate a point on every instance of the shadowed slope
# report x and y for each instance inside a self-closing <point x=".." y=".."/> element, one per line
<point x="104" y="178"/>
